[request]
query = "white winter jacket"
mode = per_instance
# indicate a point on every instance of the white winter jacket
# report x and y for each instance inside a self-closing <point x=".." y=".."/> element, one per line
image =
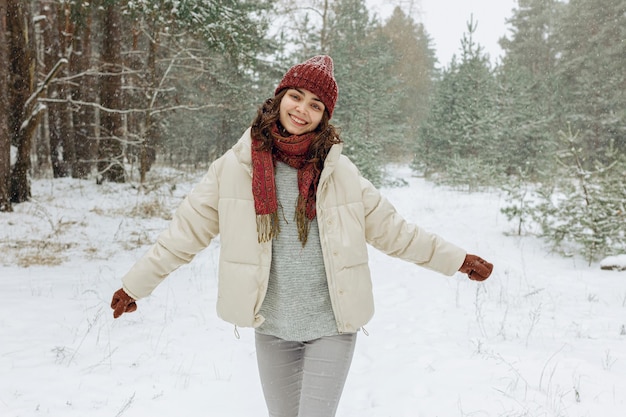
<point x="350" y="213"/>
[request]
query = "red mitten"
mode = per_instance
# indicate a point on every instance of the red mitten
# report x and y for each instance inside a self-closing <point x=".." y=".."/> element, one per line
<point x="122" y="303"/>
<point x="476" y="268"/>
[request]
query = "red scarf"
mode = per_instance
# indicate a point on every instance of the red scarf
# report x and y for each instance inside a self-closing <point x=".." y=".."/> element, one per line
<point x="291" y="150"/>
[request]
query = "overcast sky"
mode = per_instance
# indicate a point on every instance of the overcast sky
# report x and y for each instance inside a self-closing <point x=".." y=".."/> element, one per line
<point x="446" y="21"/>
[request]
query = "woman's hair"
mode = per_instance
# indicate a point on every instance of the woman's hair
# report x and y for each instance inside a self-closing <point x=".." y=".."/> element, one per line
<point x="268" y="116"/>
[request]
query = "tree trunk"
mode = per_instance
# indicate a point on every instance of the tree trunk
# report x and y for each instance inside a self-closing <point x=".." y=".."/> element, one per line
<point x="66" y="128"/>
<point x="41" y="152"/>
<point x="23" y="116"/>
<point x="151" y="131"/>
<point x="136" y="96"/>
<point x="324" y="41"/>
<point x="5" y="134"/>
<point x="84" y="118"/>
<point x="110" y="151"/>
<point x="52" y="52"/>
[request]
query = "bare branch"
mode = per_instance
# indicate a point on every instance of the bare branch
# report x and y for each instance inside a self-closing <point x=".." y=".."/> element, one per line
<point x="129" y="111"/>
<point x="45" y="82"/>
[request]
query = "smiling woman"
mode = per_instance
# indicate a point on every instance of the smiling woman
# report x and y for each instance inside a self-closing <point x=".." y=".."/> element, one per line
<point x="294" y="217"/>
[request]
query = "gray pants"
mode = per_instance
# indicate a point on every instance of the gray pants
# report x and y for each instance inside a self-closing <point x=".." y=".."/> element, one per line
<point x="304" y="379"/>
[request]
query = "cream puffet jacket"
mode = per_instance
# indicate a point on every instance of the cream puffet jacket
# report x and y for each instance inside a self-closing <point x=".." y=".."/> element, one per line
<point x="350" y="213"/>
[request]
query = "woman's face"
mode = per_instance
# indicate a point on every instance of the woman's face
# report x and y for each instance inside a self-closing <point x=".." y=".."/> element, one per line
<point x="300" y="111"/>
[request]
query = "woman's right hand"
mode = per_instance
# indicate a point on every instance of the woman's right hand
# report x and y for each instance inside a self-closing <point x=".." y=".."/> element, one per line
<point x="122" y="303"/>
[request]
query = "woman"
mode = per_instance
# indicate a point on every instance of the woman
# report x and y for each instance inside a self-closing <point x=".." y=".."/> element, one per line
<point x="294" y="218"/>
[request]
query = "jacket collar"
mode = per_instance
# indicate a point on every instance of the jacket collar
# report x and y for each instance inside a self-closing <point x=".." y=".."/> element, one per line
<point x="243" y="153"/>
<point x="331" y="162"/>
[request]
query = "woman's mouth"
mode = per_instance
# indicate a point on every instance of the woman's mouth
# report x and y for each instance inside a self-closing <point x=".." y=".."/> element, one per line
<point x="298" y="121"/>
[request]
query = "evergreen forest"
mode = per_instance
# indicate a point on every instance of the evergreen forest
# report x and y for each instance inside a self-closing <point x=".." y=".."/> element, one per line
<point x="103" y="90"/>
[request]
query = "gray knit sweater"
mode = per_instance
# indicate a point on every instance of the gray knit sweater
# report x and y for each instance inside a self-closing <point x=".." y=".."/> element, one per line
<point x="297" y="305"/>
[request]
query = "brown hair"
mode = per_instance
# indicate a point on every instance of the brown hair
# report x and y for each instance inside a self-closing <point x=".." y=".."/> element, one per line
<point x="268" y="115"/>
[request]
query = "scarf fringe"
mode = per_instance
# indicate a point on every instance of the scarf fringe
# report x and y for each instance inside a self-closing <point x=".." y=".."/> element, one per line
<point x="302" y="220"/>
<point x="267" y="226"/>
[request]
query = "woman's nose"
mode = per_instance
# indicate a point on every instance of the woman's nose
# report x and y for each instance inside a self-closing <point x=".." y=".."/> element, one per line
<point x="300" y="107"/>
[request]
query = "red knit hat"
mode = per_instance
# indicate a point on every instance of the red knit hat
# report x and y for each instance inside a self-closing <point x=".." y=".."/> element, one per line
<point x="315" y="75"/>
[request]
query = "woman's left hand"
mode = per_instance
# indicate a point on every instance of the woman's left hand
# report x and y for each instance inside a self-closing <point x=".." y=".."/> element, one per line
<point x="476" y="268"/>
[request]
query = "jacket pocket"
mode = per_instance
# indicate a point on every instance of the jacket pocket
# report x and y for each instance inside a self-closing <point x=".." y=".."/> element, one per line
<point x="240" y="291"/>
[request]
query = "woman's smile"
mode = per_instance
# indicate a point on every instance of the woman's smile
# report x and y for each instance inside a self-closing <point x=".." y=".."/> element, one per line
<point x="297" y="120"/>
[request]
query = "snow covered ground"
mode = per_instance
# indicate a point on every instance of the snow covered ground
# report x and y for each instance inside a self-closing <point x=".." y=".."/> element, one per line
<point x="544" y="336"/>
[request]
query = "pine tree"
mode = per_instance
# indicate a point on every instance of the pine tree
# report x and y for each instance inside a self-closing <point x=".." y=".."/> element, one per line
<point x="368" y="108"/>
<point x="460" y="138"/>
<point x="585" y="211"/>
<point x="414" y="67"/>
<point x="593" y="57"/>
<point x="531" y="44"/>
<point x="527" y="88"/>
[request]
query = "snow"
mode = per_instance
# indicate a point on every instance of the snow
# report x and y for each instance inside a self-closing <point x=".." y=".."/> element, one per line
<point x="544" y="336"/>
<point x="13" y="156"/>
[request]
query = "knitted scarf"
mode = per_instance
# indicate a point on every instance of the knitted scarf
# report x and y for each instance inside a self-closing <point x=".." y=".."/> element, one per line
<point x="291" y="150"/>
